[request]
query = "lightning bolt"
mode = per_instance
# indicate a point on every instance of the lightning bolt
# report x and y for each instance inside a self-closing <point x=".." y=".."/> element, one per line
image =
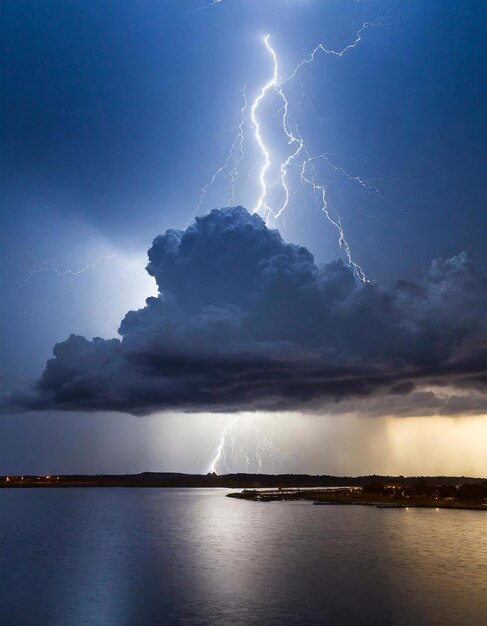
<point x="241" y="435"/>
<point x="337" y="53"/>
<point x="220" y="451"/>
<point x="365" y="183"/>
<point x="238" y="145"/>
<point x="270" y="85"/>
<point x="298" y="149"/>
<point x="337" y="223"/>
<point x="206" y="5"/>
<point x="48" y="266"/>
<point x="235" y="156"/>
<point x="234" y="442"/>
<point x="295" y="139"/>
<point x="108" y="305"/>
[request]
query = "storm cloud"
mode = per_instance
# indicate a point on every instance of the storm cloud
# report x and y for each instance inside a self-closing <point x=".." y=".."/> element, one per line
<point x="246" y="321"/>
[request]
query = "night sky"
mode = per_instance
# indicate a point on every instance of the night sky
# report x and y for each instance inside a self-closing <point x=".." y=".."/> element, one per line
<point x="115" y="115"/>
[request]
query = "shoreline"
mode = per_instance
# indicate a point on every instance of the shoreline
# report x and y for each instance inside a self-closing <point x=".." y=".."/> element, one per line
<point x="352" y="497"/>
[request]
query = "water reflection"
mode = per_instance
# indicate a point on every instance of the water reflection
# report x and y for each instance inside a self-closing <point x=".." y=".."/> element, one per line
<point x="161" y="556"/>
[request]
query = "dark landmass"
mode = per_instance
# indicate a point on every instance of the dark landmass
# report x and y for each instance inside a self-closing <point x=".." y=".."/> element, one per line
<point x="383" y="491"/>
<point x="235" y="481"/>
<point x="424" y="494"/>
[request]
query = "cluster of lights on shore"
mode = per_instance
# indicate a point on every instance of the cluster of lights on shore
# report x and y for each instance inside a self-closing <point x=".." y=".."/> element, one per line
<point x="21" y="478"/>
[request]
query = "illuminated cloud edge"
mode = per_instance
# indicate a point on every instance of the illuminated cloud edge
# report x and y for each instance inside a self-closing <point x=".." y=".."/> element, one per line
<point x="245" y="321"/>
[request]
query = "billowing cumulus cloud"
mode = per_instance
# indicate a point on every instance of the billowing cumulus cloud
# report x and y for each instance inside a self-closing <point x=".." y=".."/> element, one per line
<point x="247" y="321"/>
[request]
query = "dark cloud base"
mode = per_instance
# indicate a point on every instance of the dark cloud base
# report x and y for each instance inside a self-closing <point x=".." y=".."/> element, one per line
<point x="245" y="321"/>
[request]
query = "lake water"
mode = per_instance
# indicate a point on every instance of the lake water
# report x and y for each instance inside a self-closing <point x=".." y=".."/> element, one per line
<point x="192" y="556"/>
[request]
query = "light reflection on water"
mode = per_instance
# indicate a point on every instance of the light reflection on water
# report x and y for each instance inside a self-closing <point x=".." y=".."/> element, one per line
<point x="192" y="556"/>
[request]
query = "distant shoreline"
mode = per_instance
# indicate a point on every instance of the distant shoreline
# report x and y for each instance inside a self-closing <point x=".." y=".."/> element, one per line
<point x="451" y="492"/>
<point x="230" y="481"/>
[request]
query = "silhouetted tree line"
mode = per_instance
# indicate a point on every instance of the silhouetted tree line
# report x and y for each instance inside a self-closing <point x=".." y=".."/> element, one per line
<point x="467" y="492"/>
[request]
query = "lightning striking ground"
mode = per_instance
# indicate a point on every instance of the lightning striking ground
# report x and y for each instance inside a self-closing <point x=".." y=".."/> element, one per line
<point x="220" y="451"/>
<point x="243" y="440"/>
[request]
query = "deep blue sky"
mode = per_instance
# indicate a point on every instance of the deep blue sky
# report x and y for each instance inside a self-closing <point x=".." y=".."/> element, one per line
<point x="114" y="114"/>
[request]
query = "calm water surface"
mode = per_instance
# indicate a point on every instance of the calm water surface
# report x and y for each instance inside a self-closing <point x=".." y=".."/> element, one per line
<point x="192" y="556"/>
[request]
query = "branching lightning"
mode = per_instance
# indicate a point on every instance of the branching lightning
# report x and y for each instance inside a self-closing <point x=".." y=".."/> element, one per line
<point x="220" y="451"/>
<point x="105" y="307"/>
<point x="272" y="202"/>
<point x="337" y="222"/>
<point x="337" y="53"/>
<point x="243" y="440"/>
<point x="271" y="84"/>
<point x="295" y="139"/>
<point x="297" y="155"/>
<point x="231" y="165"/>
<point x="49" y="266"/>
<point x="205" y="5"/>
<point x="238" y="147"/>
